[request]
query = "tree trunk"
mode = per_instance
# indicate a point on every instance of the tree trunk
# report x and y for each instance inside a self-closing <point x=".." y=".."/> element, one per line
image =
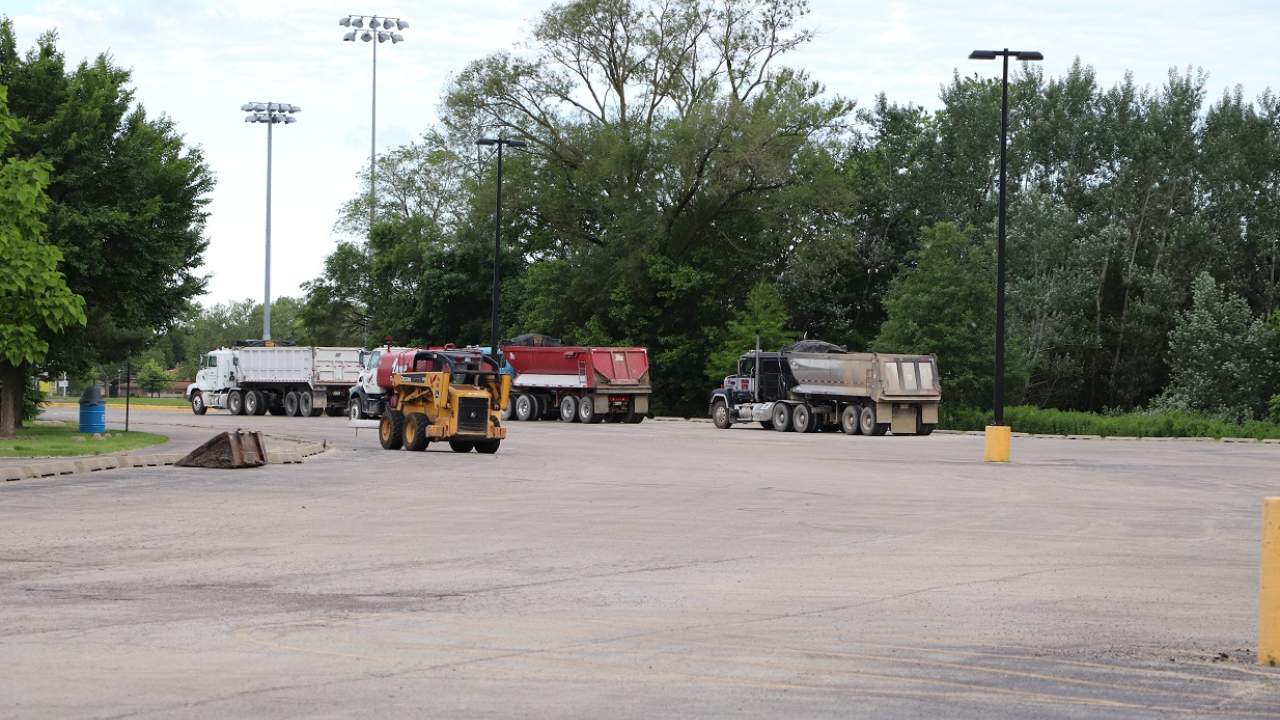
<point x="12" y="384"/>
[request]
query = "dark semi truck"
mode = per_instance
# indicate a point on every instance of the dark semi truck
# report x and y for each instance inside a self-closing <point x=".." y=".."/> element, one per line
<point x="812" y="385"/>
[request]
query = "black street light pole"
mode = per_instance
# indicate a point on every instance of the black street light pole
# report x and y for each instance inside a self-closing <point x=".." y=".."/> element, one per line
<point x="998" y="393"/>
<point x="497" y="242"/>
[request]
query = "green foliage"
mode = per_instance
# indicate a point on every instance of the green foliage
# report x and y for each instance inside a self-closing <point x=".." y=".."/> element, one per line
<point x="127" y="198"/>
<point x="153" y="378"/>
<point x="765" y="316"/>
<point x="1273" y="408"/>
<point x="1043" y="421"/>
<point x="943" y="303"/>
<point x="1220" y="356"/>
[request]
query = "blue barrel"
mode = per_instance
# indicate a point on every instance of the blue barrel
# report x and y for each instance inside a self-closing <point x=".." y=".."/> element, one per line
<point x="93" y="410"/>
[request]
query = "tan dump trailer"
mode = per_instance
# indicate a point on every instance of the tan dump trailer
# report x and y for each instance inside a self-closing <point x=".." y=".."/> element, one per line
<point x="813" y="385"/>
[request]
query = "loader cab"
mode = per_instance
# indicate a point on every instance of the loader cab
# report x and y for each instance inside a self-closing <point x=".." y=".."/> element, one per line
<point x="772" y="371"/>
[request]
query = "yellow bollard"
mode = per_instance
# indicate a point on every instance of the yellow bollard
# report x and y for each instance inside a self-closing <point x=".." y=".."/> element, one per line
<point x="997" y="444"/>
<point x="1269" y="592"/>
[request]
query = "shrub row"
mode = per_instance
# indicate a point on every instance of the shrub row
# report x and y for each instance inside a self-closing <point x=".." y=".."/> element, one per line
<point x="1042" y="421"/>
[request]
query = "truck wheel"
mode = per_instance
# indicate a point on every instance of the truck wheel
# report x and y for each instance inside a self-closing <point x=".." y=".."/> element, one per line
<point x="391" y="430"/>
<point x="353" y="409"/>
<point x="720" y="415"/>
<point x="253" y="403"/>
<point x="276" y="407"/>
<point x="197" y="403"/>
<point x="781" y="417"/>
<point x="849" y="420"/>
<point x="587" y="410"/>
<point x="488" y="447"/>
<point x="867" y="421"/>
<point x="635" y="418"/>
<point x="461" y="446"/>
<point x="766" y="424"/>
<point x="291" y="404"/>
<point x="415" y="432"/>
<point x="802" y="418"/>
<point x="925" y="429"/>
<point x="235" y="403"/>
<point x="568" y="409"/>
<point x="526" y="408"/>
<point x="306" y="408"/>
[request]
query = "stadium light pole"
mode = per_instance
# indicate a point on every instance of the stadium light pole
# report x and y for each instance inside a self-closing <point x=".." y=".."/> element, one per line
<point x="381" y="29"/>
<point x="272" y="114"/>
<point x="497" y="242"/>
<point x="1005" y="54"/>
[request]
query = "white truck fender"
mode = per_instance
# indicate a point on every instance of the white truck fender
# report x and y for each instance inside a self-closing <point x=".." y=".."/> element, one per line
<point x="190" y="388"/>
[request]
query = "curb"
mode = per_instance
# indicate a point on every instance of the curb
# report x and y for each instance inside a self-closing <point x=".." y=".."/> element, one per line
<point x="122" y="461"/>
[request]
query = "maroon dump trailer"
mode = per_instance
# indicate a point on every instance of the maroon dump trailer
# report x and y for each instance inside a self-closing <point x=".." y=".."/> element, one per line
<point x="578" y="384"/>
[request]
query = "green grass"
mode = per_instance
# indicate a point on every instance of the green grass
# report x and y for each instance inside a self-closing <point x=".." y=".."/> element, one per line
<point x="1042" y="421"/>
<point x="119" y="401"/>
<point x="63" y="439"/>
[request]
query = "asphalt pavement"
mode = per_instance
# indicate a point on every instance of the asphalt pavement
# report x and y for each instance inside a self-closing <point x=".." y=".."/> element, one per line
<point x="666" y="569"/>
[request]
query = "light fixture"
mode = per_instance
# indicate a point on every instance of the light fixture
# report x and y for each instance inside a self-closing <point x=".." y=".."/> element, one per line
<point x="401" y="25"/>
<point x="386" y="23"/>
<point x="358" y="22"/>
<point x="396" y="38"/>
<point x="345" y="22"/>
<point x="367" y="36"/>
<point x="350" y="37"/>
<point x="383" y="36"/>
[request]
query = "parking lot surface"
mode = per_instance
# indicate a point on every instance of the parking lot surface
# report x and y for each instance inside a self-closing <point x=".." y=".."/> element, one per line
<point x="667" y="569"/>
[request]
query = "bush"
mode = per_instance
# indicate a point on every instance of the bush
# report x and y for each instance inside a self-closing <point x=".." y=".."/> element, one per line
<point x="1044" y="421"/>
<point x="32" y="399"/>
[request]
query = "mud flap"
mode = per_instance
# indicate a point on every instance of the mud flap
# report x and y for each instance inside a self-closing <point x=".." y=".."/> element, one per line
<point x="904" y="420"/>
<point x="238" y="449"/>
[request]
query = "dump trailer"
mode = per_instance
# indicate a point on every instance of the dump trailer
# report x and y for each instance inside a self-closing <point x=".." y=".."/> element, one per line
<point x="578" y="383"/>
<point x="288" y="380"/>
<point x="442" y="395"/>
<point x="813" y="385"/>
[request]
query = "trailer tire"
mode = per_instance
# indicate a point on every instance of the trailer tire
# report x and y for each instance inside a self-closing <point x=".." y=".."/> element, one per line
<point x="867" y="421"/>
<point x="802" y="418"/>
<point x="849" y="420"/>
<point x="635" y="418"/>
<point x="391" y="430"/>
<point x="253" y="403"/>
<point x="276" y="407"/>
<point x="926" y="429"/>
<point x="197" y="403"/>
<point x="461" y="446"/>
<point x="720" y="415"/>
<point x="235" y="403"/>
<point x="306" y="407"/>
<point x="781" y="417"/>
<point x="587" y="410"/>
<point x="415" y="432"/>
<point x="291" y="404"/>
<point x="488" y="447"/>
<point x="568" y="409"/>
<point x="526" y="407"/>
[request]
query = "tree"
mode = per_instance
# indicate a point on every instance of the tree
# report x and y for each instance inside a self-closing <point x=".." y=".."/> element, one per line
<point x="122" y="185"/>
<point x="153" y="378"/>
<point x="763" y="318"/>
<point x="943" y="303"/>
<point x="1220" y="356"/>
<point x="34" y="297"/>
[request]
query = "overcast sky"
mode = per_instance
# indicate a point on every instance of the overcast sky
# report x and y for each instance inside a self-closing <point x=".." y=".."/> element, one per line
<point x="199" y="61"/>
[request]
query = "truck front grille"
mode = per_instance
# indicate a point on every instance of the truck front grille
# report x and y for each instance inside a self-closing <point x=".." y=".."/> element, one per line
<point x="473" y="416"/>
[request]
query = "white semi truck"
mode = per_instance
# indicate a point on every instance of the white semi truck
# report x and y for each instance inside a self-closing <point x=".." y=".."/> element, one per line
<point x="282" y="380"/>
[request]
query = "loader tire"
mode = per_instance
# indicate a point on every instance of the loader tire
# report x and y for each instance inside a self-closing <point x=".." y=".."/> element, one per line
<point x="488" y="447"/>
<point x="461" y="446"/>
<point x="415" y="432"/>
<point x="391" y="430"/>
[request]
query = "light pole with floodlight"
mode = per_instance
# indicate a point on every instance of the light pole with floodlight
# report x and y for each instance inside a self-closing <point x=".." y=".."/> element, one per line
<point x="497" y="242"/>
<point x="272" y="114"/>
<point x="998" y="390"/>
<point x="380" y="28"/>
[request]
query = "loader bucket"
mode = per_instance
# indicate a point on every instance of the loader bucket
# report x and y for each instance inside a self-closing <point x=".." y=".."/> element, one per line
<point x="238" y="449"/>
